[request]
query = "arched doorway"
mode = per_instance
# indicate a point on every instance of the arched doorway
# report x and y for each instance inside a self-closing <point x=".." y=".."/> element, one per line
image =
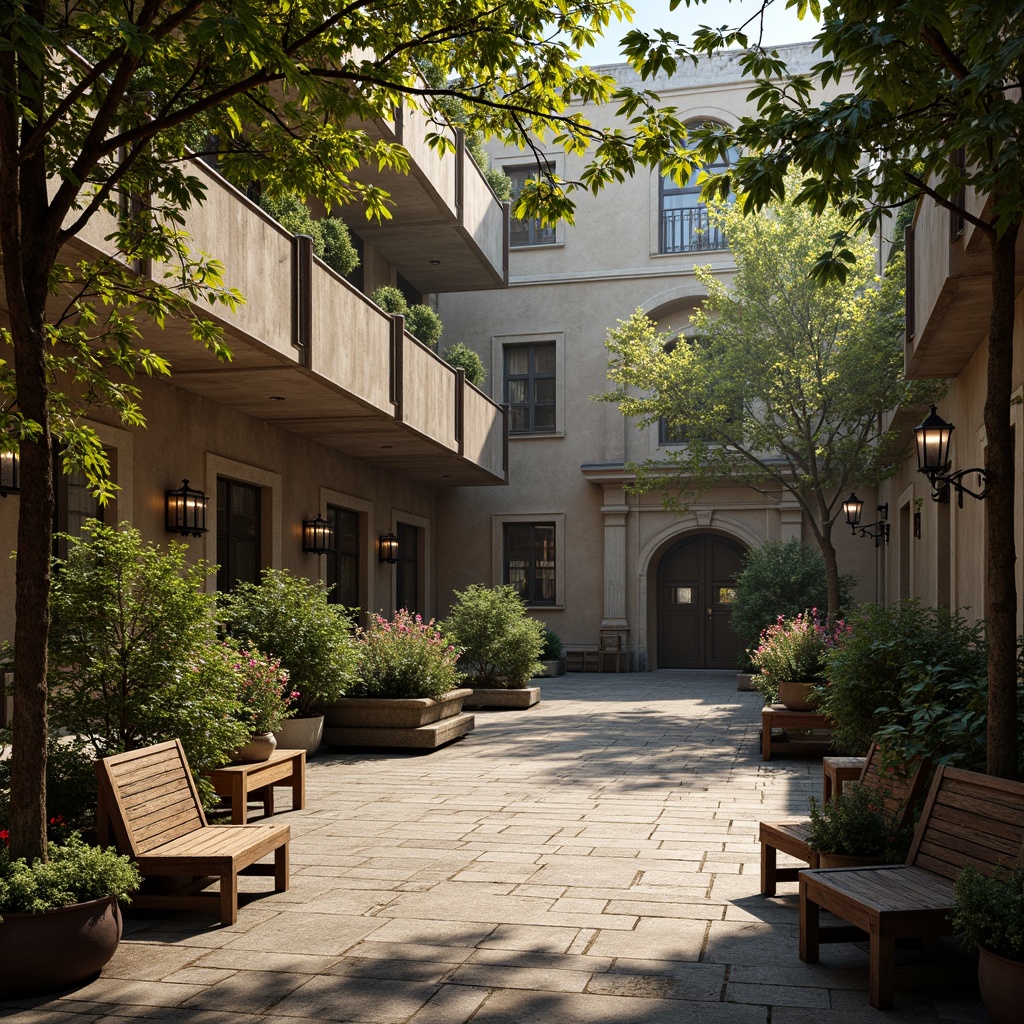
<point x="695" y="581"/>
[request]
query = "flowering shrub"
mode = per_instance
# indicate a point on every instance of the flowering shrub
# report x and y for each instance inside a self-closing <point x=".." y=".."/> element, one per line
<point x="795" y="650"/>
<point x="263" y="693"/>
<point x="858" y="824"/>
<point x="405" y="657"/>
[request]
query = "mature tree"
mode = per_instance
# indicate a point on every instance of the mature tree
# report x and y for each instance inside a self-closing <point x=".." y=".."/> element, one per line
<point x="100" y="102"/>
<point x="785" y="382"/>
<point x="933" y="109"/>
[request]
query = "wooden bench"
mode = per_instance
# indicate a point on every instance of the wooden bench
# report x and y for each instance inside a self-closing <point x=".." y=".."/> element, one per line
<point x="836" y="772"/>
<point x="149" y="800"/>
<point x="778" y="716"/>
<point x="968" y="819"/>
<point x="236" y="781"/>
<point x="900" y="791"/>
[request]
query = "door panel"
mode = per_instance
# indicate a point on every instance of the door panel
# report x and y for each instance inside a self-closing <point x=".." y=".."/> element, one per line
<point x="694" y="594"/>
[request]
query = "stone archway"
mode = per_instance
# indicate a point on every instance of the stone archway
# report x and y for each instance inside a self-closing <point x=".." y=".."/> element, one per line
<point x="694" y="592"/>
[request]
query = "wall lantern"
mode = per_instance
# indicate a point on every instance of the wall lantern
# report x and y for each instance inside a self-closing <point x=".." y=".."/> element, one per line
<point x="317" y="536"/>
<point x="185" y="511"/>
<point x="853" y="507"/>
<point x="9" y="473"/>
<point x="388" y="548"/>
<point x="932" y="437"/>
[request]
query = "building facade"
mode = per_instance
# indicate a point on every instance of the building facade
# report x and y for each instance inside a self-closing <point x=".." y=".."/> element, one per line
<point x="593" y="559"/>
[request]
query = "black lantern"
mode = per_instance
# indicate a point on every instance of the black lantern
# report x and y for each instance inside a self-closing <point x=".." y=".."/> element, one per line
<point x="185" y="511"/>
<point x="388" y="548"/>
<point x="932" y="437"/>
<point x="853" y="507"/>
<point x="317" y="536"/>
<point x="9" y="473"/>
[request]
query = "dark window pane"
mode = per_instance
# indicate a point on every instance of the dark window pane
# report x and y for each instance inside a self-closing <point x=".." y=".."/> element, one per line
<point x="238" y="533"/>
<point x="530" y="561"/>
<point x="530" y="231"/>
<point x="343" y="562"/>
<point x="530" y="387"/>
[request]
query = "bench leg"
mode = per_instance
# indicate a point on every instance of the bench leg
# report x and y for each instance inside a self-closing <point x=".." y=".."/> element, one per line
<point x="810" y="914"/>
<point x="882" y="960"/>
<point x="281" y="868"/>
<point x="299" y="784"/>
<point x="239" y="808"/>
<point x="769" y="860"/>
<point x="229" y="898"/>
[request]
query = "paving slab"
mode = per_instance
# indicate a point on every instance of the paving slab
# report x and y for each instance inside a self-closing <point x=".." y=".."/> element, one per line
<point x="595" y="861"/>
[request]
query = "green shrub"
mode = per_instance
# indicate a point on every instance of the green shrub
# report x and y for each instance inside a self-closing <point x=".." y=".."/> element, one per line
<point x="464" y="358"/>
<point x="422" y="322"/>
<point x="331" y="239"/>
<point x="989" y="912"/>
<point x="500" y="643"/>
<point x="73" y="873"/>
<point x="134" y="655"/>
<point x="405" y="657"/>
<point x="263" y="691"/>
<point x="914" y="677"/>
<point x="390" y="299"/>
<point x="289" y="618"/>
<point x="779" y="578"/>
<point x="552" y="645"/>
<point x="857" y="824"/>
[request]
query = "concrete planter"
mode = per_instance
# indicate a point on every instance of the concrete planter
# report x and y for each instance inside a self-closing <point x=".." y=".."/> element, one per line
<point x="415" y="722"/>
<point x="552" y="667"/>
<point x="301" y="734"/>
<point x="745" y="682"/>
<point x="521" y="699"/>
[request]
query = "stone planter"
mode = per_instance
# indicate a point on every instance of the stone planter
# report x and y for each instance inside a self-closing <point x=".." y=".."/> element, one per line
<point x="520" y="700"/>
<point x="414" y="722"/>
<point x="259" y="748"/>
<point x="301" y="734"/>
<point x="1001" y="982"/>
<point x="745" y="682"/>
<point x="57" y="948"/>
<point x="551" y="668"/>
<point x="797" y="696"/>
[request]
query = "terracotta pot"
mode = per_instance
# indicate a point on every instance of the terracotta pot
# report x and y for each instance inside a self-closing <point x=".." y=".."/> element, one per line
<point x="1002" y="986"/>
<point x="797" y="696"/>
<point x="301" y="734"/>
<point x="846" y="860"/>
<point x="259" y="748"/>
<point x="57" y="948"/>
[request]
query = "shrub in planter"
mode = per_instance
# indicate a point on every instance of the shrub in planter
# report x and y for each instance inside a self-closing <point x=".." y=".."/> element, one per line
<point x="422" y="321"/>
<point x="913" y="677"/>
<point x="403" y="657"/>
<point x="779" y="578"/>
<point x="500" y="643"/>
<point x="134" y="655"/>
<point x="552" y="646"/>
<point x="331" y="239"/>
<point x="857" y="824"/>
<point x="289" y="618"/>
<point x="794" y="650"/>
<point x="989" y="912"/>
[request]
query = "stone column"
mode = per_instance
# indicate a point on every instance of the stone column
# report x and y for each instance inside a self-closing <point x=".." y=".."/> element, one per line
<point x="614" y="511"/>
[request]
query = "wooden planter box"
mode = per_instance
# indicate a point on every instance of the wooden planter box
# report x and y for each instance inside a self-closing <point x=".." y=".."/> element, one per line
<point x="418" y="723"/>
<point x="521" y="699"/>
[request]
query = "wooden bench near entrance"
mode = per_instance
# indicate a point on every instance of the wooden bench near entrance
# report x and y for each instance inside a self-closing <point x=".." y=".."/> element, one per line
<point x="149" y="800"/>
<point x="968" y="819"/>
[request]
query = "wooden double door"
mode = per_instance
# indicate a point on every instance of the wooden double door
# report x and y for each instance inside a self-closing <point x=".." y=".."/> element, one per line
<point x="695" y="591"/>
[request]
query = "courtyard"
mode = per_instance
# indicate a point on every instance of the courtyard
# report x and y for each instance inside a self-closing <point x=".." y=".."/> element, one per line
<point x="594" y="859"/>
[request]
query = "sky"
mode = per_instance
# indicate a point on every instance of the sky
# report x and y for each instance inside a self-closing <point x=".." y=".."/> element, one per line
<point x="781" y="25"/>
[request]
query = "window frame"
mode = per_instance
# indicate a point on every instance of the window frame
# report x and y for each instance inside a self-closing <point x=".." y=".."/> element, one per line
<point x="531" y="377"/>
<point x="498" y="524"/>
<point x="227" y="575"/>
<point x="537" y="236"/>
<point x="534" y="584"/>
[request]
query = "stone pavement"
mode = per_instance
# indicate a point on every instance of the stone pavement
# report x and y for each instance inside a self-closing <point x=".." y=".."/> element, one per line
<point x="594" y="859"/>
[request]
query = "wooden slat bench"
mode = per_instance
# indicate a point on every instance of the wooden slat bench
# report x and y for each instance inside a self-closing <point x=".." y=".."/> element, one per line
<point x="968" y="819"/>
<point x="149" y="800"/>
<point x="901" y="792"/>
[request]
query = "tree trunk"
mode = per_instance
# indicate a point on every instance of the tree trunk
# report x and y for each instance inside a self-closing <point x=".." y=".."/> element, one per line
<point x="999" y="521"/>
<point x="828" y="553"/>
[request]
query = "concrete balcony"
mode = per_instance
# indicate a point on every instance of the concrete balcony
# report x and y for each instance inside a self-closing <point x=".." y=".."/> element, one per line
<point x="449" y="232"/>
<point x="949" y="271"/>
<point x="313" y="355"/>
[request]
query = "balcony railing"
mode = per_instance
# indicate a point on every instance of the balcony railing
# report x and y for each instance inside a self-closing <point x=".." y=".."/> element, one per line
<point x="688" y="230"/>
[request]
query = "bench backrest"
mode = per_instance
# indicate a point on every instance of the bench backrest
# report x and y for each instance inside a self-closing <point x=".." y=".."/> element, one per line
<point x="900" y="786"/>
<point x="149" y="796"/>
<point x="969" y="819"/>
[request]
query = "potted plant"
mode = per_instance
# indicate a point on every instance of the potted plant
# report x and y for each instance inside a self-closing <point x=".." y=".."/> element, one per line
<point x="500" y="645"/>
<point x="857" y="828"/>
<point x="59" y="918"/>
<point x="551" y="657"/>
<point x="264" y="698"/>
<point x="791" y="659"/>
<point x="989" y="913"/>
<point x="289" y="618"/>
<point x="405" y="692"/>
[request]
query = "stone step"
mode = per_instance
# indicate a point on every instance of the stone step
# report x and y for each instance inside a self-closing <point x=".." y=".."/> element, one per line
<point x="424" y="737"/>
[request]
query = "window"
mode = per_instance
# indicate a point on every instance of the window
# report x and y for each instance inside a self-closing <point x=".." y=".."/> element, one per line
<point x="530" y="388"/>
<point x="343" y="561"/>
<point x="529" y="559"/>
<point x="526" y="232"/>
<point x="407" y="577"/>
<point x="73" y="506"/>
<point x="683" y="218"/>
<point x="238" y="533"/>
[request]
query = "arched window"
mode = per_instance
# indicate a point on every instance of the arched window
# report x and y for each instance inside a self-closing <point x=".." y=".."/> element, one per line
<point x="683" y="218"/>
